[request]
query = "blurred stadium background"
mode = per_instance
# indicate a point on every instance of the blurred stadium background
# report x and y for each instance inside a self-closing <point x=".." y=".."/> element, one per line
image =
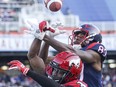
<point x="14" y="44"/>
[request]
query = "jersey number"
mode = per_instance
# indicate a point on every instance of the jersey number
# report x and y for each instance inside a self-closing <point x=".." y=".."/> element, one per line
<point x="102" y="50"/>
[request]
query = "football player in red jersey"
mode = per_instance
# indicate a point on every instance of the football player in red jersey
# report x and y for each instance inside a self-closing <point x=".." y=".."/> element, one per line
<point x="63" y="71"/>
<point x="88" y="38"/>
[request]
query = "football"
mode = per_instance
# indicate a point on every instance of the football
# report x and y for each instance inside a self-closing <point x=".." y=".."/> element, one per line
<point x="53" y="5"/>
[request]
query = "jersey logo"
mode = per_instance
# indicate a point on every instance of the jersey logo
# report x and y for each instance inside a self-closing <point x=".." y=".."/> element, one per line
<point x="75" y="61"/>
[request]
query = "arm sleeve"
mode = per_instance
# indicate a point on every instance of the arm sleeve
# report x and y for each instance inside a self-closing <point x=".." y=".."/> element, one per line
<point x="42" y="80"/>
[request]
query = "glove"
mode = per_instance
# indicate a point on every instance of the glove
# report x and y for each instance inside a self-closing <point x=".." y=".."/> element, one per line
<point x="53" y="30"/>
<point x="40" y="32"/>
<point x="35" y="30"/>
<point x="17" y="65"/>
<point x="55" y="33"/>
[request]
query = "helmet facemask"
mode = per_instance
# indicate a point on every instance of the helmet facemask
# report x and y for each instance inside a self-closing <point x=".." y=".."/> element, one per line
<point x="75" y="34"/>
<point x="89" y="32"/>
<point x="65" y="67"/>
<point x="57" y="73"/>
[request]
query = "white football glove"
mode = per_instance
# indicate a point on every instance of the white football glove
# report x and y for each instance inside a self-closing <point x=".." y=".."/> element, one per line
<point x="34" y="30"/>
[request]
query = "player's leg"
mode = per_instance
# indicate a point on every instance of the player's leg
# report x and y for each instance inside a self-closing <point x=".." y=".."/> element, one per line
<point x="36" y="62"/>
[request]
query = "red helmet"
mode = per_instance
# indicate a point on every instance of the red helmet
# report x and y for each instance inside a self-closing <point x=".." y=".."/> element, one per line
<point x="91" y="32"/>
<point x="65" y="67"/>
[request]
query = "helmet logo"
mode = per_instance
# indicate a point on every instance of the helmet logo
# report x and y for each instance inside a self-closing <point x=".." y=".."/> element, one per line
<point x="75" y="62"/>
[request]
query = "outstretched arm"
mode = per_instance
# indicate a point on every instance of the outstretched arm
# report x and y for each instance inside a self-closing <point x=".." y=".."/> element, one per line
<point x="44" y="51"/>
<point x="41" y="79"/>
<point x="89" y="56"/>
<point x="38" y="52"/>
<point x="59" y="46"/>
<point x="36" y="62"/>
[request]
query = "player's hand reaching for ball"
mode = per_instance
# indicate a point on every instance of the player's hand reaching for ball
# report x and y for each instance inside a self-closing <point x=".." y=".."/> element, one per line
<point x="39" y="31"/>
<point x="36" y="30"/>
